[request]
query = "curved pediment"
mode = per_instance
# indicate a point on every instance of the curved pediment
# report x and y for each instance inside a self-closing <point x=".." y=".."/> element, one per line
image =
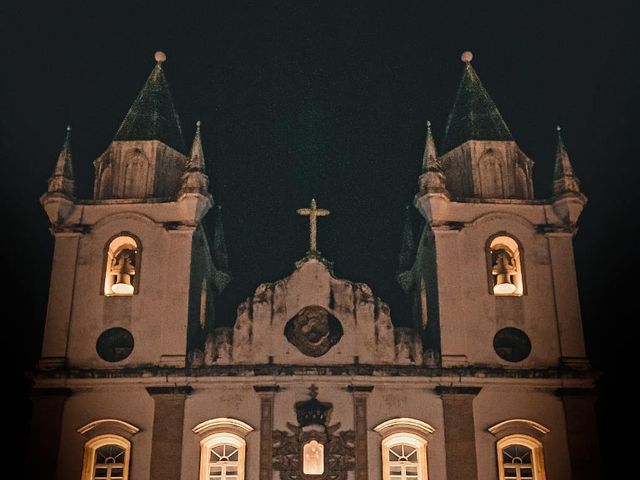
<point x="312" y="317"/>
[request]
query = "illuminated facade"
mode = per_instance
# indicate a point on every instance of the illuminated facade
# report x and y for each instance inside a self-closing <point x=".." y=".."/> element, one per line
<point x="138" y="380"/>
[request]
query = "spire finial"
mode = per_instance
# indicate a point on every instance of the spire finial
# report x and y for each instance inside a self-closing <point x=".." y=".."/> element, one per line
<point x="466" y="57"/>
<point x="160" y="56"/>
<point x="198" y="124"/>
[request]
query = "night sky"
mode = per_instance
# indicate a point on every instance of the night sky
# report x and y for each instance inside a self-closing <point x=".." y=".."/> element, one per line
<point x="313" y="98"/>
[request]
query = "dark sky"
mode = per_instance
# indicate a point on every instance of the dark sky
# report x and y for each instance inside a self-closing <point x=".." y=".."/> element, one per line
<point x="314" y="98"/>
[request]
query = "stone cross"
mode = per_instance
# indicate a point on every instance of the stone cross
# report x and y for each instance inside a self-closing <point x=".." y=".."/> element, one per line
<point x="313" y="212"/>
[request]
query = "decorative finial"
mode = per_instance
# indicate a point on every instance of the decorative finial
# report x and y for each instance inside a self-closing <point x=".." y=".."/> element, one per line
<point x="160" y="56"/>
<point x="466" y="57"/>
<point x="68" y="128"/>
<point x="428" y="124"/>
<point x="558" y="128"/>
<point x="198" y="123"/>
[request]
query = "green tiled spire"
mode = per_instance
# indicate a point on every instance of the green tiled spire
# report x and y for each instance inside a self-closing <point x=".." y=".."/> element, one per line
<point x="474" y="116"/>
<point x="152" y="115"/>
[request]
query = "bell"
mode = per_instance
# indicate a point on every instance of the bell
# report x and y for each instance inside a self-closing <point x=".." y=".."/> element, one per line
<point x="123" y="270"/>
<point x="503" y="270"/>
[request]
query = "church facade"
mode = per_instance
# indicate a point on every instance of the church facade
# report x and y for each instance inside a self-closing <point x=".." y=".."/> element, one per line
<point x="138" y="381"/>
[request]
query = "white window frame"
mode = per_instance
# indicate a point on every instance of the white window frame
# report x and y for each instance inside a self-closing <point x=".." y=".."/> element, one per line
<point x="408" y="431"/>
<point x="90" y="448"/>
<point x="216" y="431"/>
<point x="405" y="438"/>
<point x="208" y="443"/>
<point x="537" y="454"/>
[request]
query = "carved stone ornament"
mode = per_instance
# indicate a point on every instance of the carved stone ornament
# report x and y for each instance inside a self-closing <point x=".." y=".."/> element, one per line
<point x="313" y="331"/>
<point x="337" y="448"/>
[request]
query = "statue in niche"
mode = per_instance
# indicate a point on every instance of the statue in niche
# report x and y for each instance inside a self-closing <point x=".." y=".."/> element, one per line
<point x="313" y="331"/>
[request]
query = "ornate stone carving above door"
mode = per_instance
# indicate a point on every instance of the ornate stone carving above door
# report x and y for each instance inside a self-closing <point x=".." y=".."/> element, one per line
<point x="331" y="454"/>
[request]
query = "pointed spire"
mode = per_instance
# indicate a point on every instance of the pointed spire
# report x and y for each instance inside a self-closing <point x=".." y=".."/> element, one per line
<point x="220" y="255"/>
<point x="474" y="115"/>
<point x="152" y="115"/>
<point x="196" y="160"/>
<point x="430" y="157"/>
<point x="194" y="179"/>
<point x="432" y="179"/>
<point x="62" y="180"/>
<point x="564" y="180"/>
<point x="408" y="244"/>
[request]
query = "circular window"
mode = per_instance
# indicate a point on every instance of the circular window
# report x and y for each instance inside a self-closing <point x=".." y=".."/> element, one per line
<point x="512" y="344"/>
<point x="114" y="344"/>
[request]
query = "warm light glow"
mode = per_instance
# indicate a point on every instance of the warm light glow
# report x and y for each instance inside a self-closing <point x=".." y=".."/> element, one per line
<point x="122" y="289"/>
<point x="537" y="456"/>
<point x="96" y="466"/>
<point x="121" y="266"/>
<point x="504" y="289"/>
<point x="222" y="456"/>
<point x="404" y="456"/>
<point x="313" y="458"/>
<point x="506" y="267"/>
<point x="519" y="423"/>
<point x="223" y="424"/>
<point x="404" y="424"/>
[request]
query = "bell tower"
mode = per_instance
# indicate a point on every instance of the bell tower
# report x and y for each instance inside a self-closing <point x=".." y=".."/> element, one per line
<point x="494" y="270"/>
<point x="134" y="274"/>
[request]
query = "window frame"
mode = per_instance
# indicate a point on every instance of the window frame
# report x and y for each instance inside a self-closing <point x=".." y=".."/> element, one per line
<point x="91" y="447"/>
<point x="405" y="438"/>
<point x="408" y="431"/>
<point x="537" y="454"/>
<point x="221" y="438"/>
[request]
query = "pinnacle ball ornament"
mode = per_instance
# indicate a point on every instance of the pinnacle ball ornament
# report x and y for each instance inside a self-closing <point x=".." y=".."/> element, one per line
<point x="466" y="57"/>
<point x="160" y="56"/>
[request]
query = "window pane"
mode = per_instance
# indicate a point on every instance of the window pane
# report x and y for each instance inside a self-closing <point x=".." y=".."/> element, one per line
<point x="404" y="462"/>
<point x="224" y="462"/>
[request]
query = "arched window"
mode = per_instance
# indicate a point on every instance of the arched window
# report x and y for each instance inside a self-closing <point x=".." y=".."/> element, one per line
<point x="106" y="457"/>
<point x="520" y="457"/>
<point x="404" y="449"/>
<point x="122" y="266"/>
<point x="504" y="259"/>
<point x="222" y="457"/>
<point x="222" y="449"/>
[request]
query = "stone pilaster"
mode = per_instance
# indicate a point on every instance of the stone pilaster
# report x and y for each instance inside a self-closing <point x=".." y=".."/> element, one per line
<point x="459" y="431"/>
<point x="266" y="394"/>
<point x="166" y="441"/>
<point x="46" y="422"/>
<point x="582" y="432"/>
<point x="360" y="394"/>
